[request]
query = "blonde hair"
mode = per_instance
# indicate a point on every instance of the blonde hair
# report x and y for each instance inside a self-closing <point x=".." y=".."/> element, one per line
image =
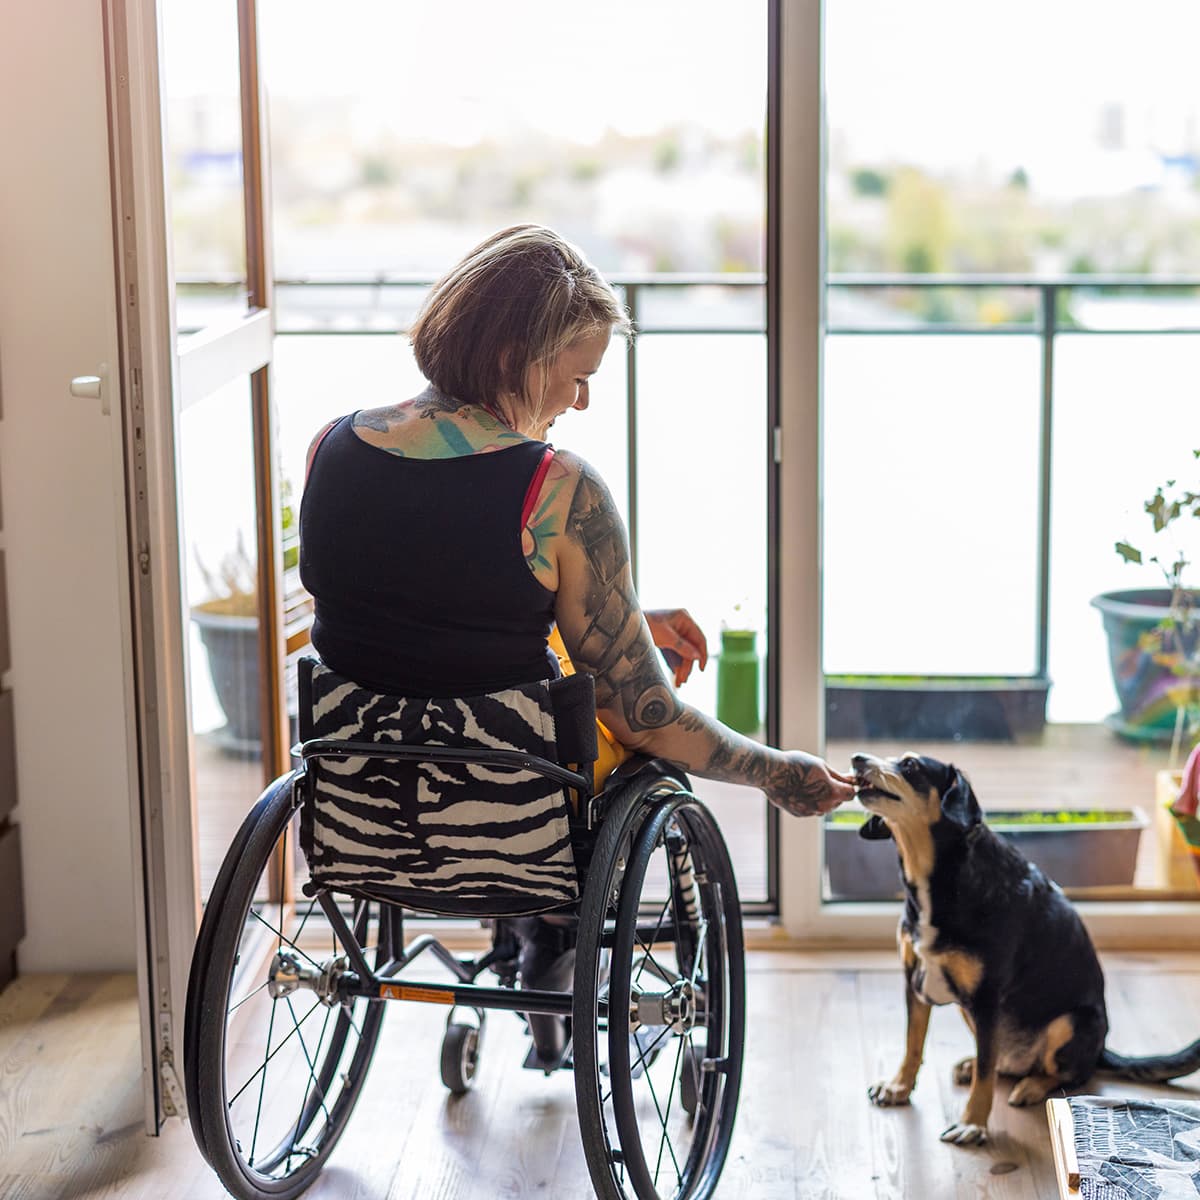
<point x="519" y="298"/>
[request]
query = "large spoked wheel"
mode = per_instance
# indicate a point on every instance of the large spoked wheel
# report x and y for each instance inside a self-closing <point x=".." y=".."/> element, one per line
<point x="659" y="992"/>
<point x="274" y="1060"/>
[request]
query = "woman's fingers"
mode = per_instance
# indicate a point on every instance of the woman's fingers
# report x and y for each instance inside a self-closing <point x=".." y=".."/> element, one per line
<point x="675" y="630"/>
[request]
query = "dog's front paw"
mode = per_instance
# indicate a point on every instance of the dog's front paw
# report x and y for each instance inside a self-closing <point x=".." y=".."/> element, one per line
<point x="961" y="1134"/>
<point x="1030" y="1090"/>
<point x="964" y="1071"/>
<point x="887" y="1093"/>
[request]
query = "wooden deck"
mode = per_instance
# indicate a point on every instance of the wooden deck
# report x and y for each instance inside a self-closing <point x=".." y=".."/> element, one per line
<point x="822" y="1028"/>
<point x="1068" y="767"/>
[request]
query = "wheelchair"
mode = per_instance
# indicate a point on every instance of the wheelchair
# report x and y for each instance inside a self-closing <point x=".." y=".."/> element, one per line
<point x="289" y="986"/>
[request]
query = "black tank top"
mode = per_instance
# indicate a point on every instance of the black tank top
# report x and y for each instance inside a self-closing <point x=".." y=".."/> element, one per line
<point x="416" y="567"/>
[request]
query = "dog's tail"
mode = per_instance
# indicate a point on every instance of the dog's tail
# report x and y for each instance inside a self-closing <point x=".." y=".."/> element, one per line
<point x="1154" y="1068"/>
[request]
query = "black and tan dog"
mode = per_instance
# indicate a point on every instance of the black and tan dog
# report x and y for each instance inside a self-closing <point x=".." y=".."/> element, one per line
<point x="983" y="928"/>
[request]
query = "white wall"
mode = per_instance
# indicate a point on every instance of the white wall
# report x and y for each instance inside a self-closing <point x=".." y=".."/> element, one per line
<point x="63" y="518"/>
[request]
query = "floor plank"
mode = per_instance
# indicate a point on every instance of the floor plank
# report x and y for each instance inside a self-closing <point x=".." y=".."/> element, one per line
<point x="822" y="1027"/>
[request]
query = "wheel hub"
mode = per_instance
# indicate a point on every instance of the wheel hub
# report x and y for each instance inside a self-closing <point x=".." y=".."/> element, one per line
<point x="288" y="974"/>
<point x="675" y="1007"/>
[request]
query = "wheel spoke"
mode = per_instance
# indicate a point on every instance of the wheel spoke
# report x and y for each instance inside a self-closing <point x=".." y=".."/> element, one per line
<point x="249" y="996"/>
<point x="259" y="917"/>
<point x="307" y="1058"/>
<point x="261" y="1087"/>
<point x="274" y="1052"/>
<point x="657" y="930"/>
<point x="658" y="1109"/>
<point x="665" y="1139"/>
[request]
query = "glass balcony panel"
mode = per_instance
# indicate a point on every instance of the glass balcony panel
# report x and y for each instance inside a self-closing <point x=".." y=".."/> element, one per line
<point x="1125" y="421"/>
<point x="702" y="533"/>
<point x="216" y="479"/>
<point x="931" y="485"/>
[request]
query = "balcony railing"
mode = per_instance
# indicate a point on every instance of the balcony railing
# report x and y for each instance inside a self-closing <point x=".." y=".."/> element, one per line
<point x="727" y="304"/>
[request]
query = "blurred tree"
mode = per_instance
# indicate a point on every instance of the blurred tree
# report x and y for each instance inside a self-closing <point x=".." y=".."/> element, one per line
<point x="866" y="181"/>
<point x="667" y="154"/>
<point x="919" y="224"/>
<point x="377" y="171"/>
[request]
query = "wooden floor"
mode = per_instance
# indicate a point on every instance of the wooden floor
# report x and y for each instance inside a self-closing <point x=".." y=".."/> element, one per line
<point x="822" y="1027"/>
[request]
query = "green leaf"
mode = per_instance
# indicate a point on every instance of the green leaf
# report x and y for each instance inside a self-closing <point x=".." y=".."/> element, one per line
<point x="1128" y="553"/>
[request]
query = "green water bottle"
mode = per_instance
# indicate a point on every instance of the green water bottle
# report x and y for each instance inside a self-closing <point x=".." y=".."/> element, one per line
<point x="737" y="680"/>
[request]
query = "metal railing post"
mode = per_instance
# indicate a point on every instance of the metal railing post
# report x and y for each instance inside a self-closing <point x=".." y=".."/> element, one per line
<point x="631" y="438"/>
<point x="1049" y="302"/>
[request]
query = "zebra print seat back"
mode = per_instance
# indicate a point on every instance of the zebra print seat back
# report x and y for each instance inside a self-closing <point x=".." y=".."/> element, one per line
<point x="460" y="838"/>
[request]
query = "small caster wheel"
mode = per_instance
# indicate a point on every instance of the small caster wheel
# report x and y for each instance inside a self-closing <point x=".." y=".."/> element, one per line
<point x="690" y="1078"/>
<point x="460" y="1057"/>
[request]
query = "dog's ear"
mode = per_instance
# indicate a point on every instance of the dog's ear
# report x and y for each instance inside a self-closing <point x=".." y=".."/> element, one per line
<point x="958" y="801"/>
<point x="874" y="829"/>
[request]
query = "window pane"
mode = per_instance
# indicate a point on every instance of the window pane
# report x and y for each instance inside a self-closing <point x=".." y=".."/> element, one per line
<point x="216" y="475"/>
<point x="204" y="160"/>
<point x="931" y="486"/>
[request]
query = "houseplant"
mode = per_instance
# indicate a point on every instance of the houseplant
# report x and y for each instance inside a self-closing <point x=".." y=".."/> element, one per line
<point x="1154" y="653"/>
<point x="1154" y="633"/>
<point x="228" y="625"/>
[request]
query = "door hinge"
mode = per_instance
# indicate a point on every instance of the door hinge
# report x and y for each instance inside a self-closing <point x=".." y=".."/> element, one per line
<point x="174" y="1102"/>
<point x="777" y="444"/>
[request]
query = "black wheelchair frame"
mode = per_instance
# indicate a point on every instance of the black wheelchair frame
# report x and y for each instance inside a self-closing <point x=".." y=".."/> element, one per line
<point x="649" y="971"/>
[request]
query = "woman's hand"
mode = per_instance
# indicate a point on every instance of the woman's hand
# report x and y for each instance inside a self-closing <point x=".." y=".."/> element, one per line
<point x="808" y="786"/>
<point x="674" y="631"/>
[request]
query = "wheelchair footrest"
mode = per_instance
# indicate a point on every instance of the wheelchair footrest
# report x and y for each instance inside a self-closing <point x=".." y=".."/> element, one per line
<point x="533" y="1061"/>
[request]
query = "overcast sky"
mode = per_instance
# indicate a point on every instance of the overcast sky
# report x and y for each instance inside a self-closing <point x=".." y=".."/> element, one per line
<point x="929" y="81"/>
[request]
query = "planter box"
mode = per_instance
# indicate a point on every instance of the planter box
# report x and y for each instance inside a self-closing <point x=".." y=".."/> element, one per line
<point x="944" y="709"/>
<point x="1081" y="854"/>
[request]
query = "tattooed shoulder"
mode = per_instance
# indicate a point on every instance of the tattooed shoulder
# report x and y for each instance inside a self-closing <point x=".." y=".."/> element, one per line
<point x="376" y="419"/>
<point x="615" y="646"/>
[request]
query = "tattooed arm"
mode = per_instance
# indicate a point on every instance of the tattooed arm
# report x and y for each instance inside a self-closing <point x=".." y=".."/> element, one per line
<point x="605" y="633"/>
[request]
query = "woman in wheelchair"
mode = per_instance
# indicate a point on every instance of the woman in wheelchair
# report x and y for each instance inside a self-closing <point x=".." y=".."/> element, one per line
<point x="446" y="542"/>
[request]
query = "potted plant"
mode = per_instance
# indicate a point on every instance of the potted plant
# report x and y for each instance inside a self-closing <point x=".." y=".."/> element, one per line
<point x="1154" y="653"/>
<point x="228" y="626"/>
<point x="1154" y="636"/>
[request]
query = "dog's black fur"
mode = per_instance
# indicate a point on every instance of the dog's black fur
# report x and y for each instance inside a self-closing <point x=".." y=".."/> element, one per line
<point x="983" y="928"/>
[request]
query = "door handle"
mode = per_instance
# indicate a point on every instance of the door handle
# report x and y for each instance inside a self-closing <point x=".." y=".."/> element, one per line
<point x="92" y="387"/>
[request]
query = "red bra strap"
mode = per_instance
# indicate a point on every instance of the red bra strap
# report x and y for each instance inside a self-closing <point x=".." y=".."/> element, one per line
<point x="315" y="447"/>
<point x="535" y="486"/>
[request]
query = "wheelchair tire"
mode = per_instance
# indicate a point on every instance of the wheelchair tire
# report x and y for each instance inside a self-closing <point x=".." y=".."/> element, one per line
<point x="272" y="1080"/>
<point x="460" y="1057"/>
<point x="659" y="933"/>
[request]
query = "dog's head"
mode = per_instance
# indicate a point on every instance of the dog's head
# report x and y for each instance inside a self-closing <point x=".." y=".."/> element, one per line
<point x="910" y="792"/>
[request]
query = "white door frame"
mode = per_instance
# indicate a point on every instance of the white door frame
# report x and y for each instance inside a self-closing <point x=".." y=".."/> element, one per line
<point x="1132" y="923"/>
<point x="157" y="381"/>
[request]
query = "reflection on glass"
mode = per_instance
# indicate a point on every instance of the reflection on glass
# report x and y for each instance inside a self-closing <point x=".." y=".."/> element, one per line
<point x="216" y="473"/>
